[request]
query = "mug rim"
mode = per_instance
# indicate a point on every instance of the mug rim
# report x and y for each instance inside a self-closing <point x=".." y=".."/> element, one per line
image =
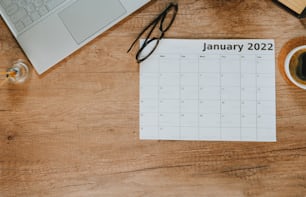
<point x="287" y="63"/>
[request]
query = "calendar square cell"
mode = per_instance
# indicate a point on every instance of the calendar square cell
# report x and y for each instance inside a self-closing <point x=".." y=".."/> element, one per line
<point x="248" y="64"/>
<point x="209" y="120"/>
<point x="266" y="134"/>
<point x="189" y="79"/>
<point x="189" y="92"/>
<point x="148" y="92"/>
<point x="248" y="80"/>
<point x="248" y="107"/>
<point x="265" y="65"/>
<point x="266" y="107"/>
<point x="230" y="107"/>
<point x="169" y="92"/>
<point x="266" y="94"/>
<point x="169" y="79"/>
<point x="230" y="79"/>
<point x="189" y="133"/>
<point x="169" y="132"/>
<point x="150" y="66"/>
<point x="189" y="119"/>
<point x="248" y="93"/>
<point x="209" y="79"/>
<point x="149" y="133"/>
<point x="209" y="64"/>
<point x="230" y="120"/>
<point x="266" y="121"/>
<point x="231" y="134"/>
<point x="149" y="79"/>
<point x="230" y="64"/>
<point x="189" y="65"/>
<point x="169" y="106"/>
<point x="189" y="105"/>
<point x="169" y="65"/>
<point x="249" y="120"/>
<point x="230" y="93"/>
<point x="149" y="105"/>
<point x="210" y="93"/>
<point x="265" y="80"/>
<point x="169" y="119"/>
<point x="209" y="106"/>
<point x="249" y="134"/>
<point x="148" y="119"/>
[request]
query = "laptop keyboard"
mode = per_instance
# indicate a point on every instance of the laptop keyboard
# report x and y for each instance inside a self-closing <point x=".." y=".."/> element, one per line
<point x="23" y="13"/>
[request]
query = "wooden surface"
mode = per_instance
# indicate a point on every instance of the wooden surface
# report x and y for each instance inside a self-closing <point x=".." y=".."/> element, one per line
<point x="74" y="130"/>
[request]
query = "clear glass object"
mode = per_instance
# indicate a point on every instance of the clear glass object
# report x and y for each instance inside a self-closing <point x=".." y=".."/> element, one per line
<point x="17" y="73"/>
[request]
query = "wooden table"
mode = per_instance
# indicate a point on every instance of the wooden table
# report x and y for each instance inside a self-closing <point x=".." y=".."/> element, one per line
<point x="74" y="132"/>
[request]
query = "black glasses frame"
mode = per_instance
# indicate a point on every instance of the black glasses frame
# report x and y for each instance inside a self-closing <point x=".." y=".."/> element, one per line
<point x="160" y="18"/>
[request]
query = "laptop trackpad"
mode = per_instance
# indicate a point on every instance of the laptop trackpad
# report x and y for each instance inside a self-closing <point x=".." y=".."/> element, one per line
<point x="85" y="18"/>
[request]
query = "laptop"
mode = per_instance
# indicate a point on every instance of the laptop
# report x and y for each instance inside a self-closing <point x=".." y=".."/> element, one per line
<point x="50" y="30"/>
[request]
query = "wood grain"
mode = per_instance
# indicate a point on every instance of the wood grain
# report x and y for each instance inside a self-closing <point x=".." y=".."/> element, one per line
<point x="74" y="130"/>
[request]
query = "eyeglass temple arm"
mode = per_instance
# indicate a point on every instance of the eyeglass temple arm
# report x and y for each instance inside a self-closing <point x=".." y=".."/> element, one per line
<point x="154" y="23"/>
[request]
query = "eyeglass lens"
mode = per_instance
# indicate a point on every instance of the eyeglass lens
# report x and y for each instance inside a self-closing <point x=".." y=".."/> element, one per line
<point x="166" y="20"/>
<point x="146" y="50"/>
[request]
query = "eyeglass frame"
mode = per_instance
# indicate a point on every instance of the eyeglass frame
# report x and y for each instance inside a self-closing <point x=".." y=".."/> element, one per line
<point x="160" y="18"/>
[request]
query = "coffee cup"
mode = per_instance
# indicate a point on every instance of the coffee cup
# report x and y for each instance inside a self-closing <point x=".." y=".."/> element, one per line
<point x="295" y="66"/>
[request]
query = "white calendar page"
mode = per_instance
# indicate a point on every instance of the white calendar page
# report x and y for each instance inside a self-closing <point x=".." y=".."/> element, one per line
<point x="222" y="90"/>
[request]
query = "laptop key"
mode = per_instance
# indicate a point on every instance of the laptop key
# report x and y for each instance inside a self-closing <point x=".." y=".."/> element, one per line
<point x="30" y="7"/>
<point x="27" y="21"/>
<point x="19" y="26"/>
<point x="34" y="16"/>
<point x="54" y="3"/>
<point x="5" y="3"/>
<point x="23" y="13"/>
<point x="18" y="15"/>
<point x="42" y="11"/>
<point x="22" y="3"/>
<point x="38" y="3"/>
<point x="11" y="9"/>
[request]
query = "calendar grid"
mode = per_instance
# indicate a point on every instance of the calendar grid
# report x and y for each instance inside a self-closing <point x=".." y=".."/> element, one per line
<point x="208" y="97"/>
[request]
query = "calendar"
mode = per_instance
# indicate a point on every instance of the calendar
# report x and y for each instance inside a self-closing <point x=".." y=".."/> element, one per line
<point x="215" y="90"/>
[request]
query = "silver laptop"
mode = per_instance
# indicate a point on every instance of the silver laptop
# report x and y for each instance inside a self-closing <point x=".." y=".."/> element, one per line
<point x="50" y="30"/>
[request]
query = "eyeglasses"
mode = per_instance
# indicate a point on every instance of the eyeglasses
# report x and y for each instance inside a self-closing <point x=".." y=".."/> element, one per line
<point x="166" y="19"/>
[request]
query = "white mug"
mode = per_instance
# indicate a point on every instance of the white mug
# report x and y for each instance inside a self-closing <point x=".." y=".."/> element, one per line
<point x="287" y="68"/>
